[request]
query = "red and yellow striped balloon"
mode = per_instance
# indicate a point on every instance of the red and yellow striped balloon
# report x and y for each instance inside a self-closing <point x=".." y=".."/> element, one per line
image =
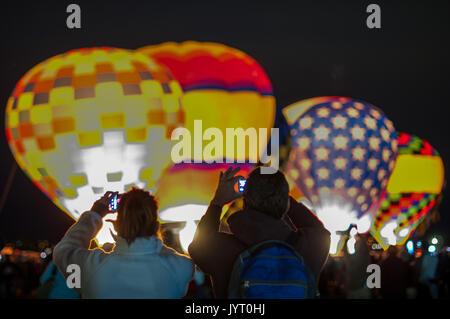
<point x="223" y="87"/>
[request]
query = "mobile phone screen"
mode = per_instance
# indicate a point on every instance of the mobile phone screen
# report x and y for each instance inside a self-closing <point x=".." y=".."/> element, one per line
<point x="113" y="203"/>
<point x="242" y="184"/>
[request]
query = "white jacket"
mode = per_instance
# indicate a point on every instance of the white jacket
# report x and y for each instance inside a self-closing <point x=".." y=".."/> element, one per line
<point x="145" y="269"/>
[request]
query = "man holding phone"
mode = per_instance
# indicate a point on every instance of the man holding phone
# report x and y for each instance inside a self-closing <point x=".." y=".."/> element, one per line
<point x="266" y="203"/>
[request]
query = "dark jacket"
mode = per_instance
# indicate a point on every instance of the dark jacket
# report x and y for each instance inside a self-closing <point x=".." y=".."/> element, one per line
<point x="215" y="252"/>
<point x="394" y="278"/>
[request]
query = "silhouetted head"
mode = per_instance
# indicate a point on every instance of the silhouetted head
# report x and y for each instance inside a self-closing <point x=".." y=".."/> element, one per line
<point x="267" y="193"/>
<point x="137" y="215"/>
<point x="392" y="250"/>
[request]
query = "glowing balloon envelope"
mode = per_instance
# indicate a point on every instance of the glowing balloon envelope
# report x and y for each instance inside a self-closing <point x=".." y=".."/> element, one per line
<point x="93" y="120"/>
<point x="411" y="193"/>
<point x="185" y="191"/>
<point x="225" y="88"/>
<point x="343" y="152"/>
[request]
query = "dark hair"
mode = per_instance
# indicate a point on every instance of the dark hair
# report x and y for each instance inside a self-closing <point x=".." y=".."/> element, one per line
<point x="266" y="193"/>
<point x="392" y="250"/>
<point x="137" y="215"/>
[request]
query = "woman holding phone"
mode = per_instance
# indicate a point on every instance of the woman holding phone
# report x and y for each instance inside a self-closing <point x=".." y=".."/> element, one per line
<point x="140" y="266"/>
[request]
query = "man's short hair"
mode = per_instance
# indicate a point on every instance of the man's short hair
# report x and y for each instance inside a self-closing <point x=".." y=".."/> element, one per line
<point x="266" y="193"/>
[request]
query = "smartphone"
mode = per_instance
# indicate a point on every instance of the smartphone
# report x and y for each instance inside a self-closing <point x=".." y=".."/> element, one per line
<point x="114" y="203"/>
<point x="242" y="185"/>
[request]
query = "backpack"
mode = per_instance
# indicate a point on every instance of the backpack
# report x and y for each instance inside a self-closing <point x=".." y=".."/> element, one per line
<point x="272" y="269"/>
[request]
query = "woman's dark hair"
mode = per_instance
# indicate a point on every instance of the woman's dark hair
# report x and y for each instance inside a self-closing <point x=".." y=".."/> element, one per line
<point x="137" y="215"/>
<point x="266" y="193"/>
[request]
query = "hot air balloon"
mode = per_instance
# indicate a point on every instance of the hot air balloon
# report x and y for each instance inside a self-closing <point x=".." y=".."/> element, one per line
<point x="92" y="120"/>
<point x="224" y="88"/>
<point x="342" y="155"/>
<point x="412" y="191"/>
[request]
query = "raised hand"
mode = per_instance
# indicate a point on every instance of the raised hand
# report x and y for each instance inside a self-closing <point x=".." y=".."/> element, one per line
<point x="225" y="192"/>
<point x="101" y="206"/>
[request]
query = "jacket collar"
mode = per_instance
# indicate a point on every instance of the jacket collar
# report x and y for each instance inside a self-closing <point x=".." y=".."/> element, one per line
<point x="141" y="245"/>
<point x="251" y="227"/>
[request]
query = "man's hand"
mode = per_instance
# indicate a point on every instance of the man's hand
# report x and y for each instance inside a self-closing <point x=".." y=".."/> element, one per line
<point x="101" y="206"/>
<point x="225" y="192"/>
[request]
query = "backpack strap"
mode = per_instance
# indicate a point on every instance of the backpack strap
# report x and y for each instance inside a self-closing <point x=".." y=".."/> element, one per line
<point x="270" y="243"/>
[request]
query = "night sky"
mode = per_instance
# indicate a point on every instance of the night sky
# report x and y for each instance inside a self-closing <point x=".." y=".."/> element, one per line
<point x="308" y="49"/>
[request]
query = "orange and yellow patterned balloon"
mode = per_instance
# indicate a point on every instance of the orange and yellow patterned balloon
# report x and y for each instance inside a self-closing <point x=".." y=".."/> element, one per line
<point x="92" y="120"/>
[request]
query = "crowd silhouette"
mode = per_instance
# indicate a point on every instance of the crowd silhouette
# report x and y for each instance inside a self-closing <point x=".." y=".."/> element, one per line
<point x="148" y="263"/>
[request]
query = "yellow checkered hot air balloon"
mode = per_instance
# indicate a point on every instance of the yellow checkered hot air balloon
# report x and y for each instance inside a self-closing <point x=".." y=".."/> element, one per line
<point x="92" y="120"/>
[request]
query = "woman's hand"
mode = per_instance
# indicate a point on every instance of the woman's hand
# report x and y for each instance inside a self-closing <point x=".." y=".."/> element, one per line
<point x="101" y="206"/>
<point x="225" y="192"/>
